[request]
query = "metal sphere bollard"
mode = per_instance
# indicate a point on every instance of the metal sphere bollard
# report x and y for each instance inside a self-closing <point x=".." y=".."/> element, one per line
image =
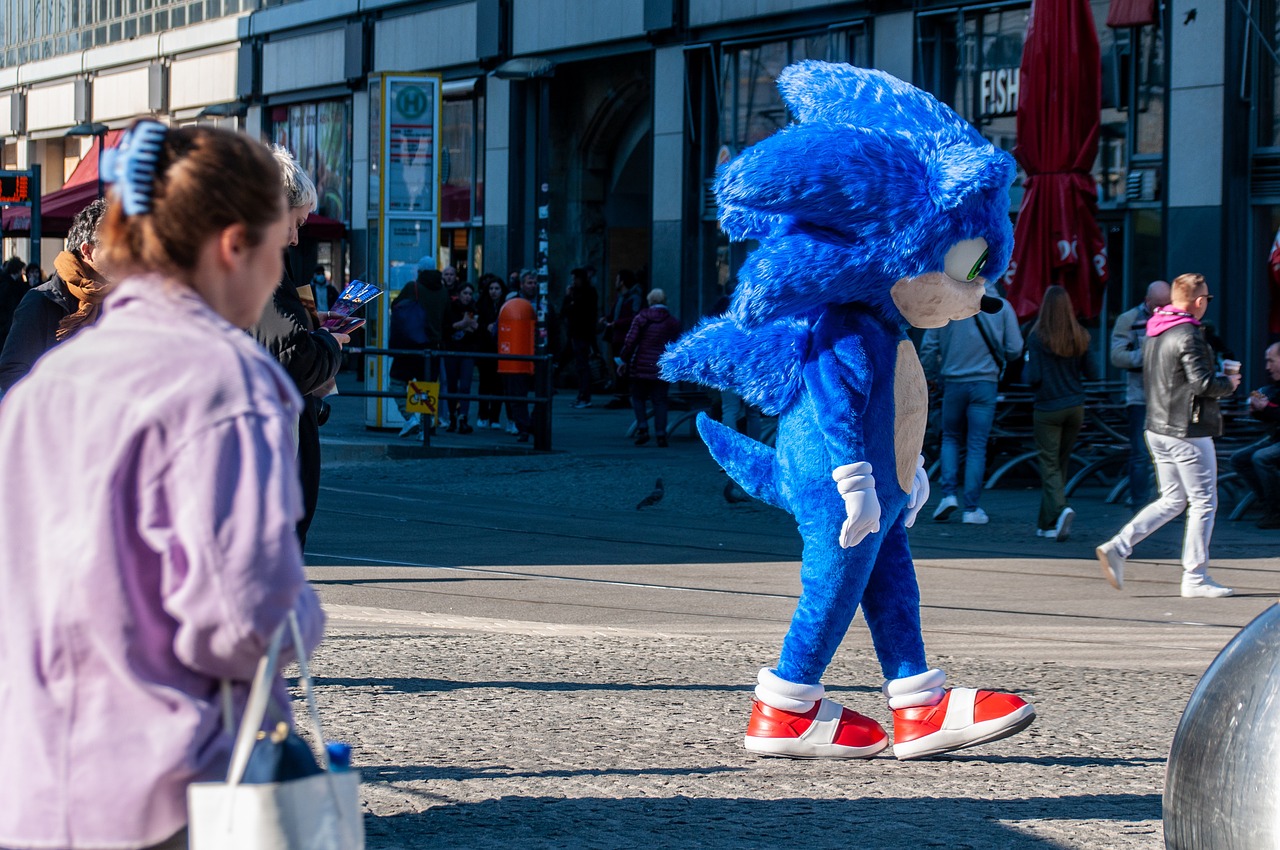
<point x="1222" y="786"/>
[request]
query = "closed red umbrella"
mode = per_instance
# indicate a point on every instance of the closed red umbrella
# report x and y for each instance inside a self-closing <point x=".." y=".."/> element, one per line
<point x="1056" y="239"/>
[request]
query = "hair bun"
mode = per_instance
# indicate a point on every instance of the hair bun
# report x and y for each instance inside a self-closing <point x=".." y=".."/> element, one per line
<point x="131" y="166"/>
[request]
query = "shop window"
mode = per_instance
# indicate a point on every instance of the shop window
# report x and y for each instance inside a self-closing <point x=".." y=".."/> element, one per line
<point x="319" y="137"/>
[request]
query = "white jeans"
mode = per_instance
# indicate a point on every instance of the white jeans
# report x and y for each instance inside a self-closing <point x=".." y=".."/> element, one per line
<point x="1187" y="471"/>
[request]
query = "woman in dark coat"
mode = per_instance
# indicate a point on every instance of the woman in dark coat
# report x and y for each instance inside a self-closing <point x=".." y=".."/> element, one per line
<point x="651" y="330"/>
<point x="492" y="294"/>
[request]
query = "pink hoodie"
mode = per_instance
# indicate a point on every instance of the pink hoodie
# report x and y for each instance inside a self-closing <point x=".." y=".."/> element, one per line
<point x="1167" y="317"/>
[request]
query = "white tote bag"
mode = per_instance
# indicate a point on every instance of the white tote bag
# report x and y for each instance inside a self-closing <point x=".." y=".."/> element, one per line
<point x="320" y="812"/>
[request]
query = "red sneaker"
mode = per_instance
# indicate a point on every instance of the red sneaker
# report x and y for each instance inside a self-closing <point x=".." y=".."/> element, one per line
<point x="828" y="730"/>
<point x="964" y="718"/>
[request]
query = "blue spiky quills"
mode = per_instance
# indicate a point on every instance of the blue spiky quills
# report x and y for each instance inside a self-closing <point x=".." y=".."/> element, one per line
<point x="131" y="166"/>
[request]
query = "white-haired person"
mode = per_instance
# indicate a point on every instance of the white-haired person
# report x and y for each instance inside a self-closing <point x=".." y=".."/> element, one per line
<point x="651" y="330"/>
<point x="290" y="331"/>
<point x="151" y="553"/>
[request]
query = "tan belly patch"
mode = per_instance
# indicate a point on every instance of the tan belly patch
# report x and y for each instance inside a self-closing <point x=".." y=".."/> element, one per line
<point x="911" y="412"/>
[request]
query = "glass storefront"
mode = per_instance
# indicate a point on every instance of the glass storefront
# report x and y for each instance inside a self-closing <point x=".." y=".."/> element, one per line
<point x="750" y="108"/>
<point x="319" y="136"/>
<point x="462" y="184"/>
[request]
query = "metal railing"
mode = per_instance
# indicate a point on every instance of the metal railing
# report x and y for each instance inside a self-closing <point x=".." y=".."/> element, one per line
<point x="540" y="418"/>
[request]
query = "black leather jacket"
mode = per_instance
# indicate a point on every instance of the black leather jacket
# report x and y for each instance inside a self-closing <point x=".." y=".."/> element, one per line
<point x="1181" y="384"/>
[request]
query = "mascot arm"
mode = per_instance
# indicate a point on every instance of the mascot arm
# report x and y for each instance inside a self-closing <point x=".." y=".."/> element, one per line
<point x="840" y="385"/>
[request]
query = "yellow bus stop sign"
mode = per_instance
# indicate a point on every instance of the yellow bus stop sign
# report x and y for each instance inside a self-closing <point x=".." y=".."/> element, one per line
<point x="424" y="397"/>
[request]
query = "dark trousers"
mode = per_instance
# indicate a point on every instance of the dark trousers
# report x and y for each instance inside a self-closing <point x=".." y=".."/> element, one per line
<point x="1140" y="469"/>
<point x="490" y="384"/>
<point x="518" y="411"/>
<point x="582" y="365"/>
<point x="458" y="371"/>
<point x="308" y="465"/>
<point x="644" y="390"/>
<point x="1259" y="465"/>
<point x="1055" y="433"/>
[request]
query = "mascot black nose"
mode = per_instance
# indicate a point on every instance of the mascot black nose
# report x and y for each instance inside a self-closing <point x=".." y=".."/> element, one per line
<point x="990" y="305"/>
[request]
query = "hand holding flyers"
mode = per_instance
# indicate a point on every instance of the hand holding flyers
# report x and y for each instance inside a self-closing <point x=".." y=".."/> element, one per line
<point x="353" y="298"/>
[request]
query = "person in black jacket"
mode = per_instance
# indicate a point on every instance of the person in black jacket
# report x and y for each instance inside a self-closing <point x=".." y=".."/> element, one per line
<point x="54" y="311"/>
<point x="580" y="311"/>
<point x="311" y="355"/>
<point x="1182" y="390"/>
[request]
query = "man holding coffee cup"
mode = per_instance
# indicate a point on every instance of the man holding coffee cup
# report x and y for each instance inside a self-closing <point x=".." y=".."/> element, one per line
<point x="1182" y="392"/>
<point x="1259" y="464"/>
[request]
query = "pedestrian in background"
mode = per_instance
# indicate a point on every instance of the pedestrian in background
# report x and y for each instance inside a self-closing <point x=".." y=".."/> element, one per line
<point x="651" y="331"/>
<point x="1057" y="365"/>
<point x="581" y="313"/>
<point x="1127" y="339"/>
<point x="463" y="339"/>
<point x="159" y="492"/>
<point x="291" y="334"/>
<point x="55" y="311"/>
<point x="492" y="294"/>
<point x="1259" y="464"/>
<point x="1183" y="417"/>
<point x="627" y="301"/>
<point x="967" y="358"/>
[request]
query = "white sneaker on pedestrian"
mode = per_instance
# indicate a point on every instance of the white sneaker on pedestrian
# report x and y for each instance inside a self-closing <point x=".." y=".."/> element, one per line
<point x="977" y="516"/>
<point x="1062" y="530"/>
<point x="482" y="423"/>
<point x="945" y="509"/>
<point x="1049" y="533"/>
<point x="512" y="429"/>
<point x="1200" y="585"/>
<point x="1112" y="563"/>
<point x="412" y="426"/>
<point x="495" y="425"/>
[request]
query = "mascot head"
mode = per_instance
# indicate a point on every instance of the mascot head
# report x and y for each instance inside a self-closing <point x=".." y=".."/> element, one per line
<point x="878" y="194"/>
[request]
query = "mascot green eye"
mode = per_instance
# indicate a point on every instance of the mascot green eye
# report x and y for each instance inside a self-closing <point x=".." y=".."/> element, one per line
<point x="965" y="259"/>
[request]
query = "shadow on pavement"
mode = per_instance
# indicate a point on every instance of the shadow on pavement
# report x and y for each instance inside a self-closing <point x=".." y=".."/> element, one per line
<point x="649" y="822"/>
<point x="413" y="685"/>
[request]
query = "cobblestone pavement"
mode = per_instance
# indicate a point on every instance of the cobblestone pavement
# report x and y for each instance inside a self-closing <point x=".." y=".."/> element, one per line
<point x="521" y="658"/>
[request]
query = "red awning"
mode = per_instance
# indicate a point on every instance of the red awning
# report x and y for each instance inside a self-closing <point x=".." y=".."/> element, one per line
<point x="1131" y="13"/>
<point x="322" y="229"/>
<point x="58" y="208"/>
<point x="1057" y="239"/>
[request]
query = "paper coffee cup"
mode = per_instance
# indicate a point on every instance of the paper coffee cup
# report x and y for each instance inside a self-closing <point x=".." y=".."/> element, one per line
<point x="1231" y="367"/>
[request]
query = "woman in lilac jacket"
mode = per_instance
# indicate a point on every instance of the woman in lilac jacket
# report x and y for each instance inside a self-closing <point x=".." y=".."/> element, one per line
<point x="148" y="551"/>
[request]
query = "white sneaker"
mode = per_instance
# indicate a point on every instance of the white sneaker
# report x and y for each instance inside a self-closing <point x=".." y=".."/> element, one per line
<point x="1200" y="585"/>
<point x="495" y="425"/>
<point x="945" y="508"/>
<point x="482" y="423"/>
<point x="1112" y="564"/>
<point x="1062" y="530"/>
<point x="512" y="429"/>
<point x="977" y="516"/>
<point x="1049" y="533"/>
<point x="412" y="426"/>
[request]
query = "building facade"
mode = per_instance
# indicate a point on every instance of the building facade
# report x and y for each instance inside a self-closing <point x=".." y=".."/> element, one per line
<point x="622" y="111"/>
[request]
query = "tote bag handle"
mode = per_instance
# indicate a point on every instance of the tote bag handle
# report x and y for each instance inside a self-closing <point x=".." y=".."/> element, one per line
<point x="260" y="694"/>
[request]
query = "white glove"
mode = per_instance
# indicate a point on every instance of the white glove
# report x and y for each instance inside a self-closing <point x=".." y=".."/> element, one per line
<point x="862" y="509"/>
<point x="919" y="493"/>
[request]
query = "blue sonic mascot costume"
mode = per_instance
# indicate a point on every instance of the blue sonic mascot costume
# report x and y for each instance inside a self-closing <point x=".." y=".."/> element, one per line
<point x="879" y="208"/>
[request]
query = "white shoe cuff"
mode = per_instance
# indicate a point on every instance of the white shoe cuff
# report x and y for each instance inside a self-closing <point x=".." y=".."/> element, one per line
<point x="786" y="696"/>
<point x="921" y="689"/>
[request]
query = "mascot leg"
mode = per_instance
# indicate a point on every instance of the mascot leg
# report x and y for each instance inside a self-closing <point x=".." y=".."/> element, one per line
<point x="927" y="719"/>
<point x="789" y="716"/>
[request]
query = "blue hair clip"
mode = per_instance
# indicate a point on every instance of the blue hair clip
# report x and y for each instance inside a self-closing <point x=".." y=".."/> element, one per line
<point x="131" y="166"/>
